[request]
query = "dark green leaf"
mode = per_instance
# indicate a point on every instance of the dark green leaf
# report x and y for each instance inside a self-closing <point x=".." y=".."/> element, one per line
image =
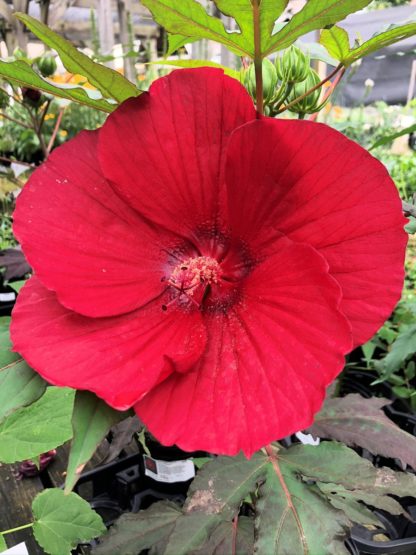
<point x="316" y="14"/>
<point x="108" y="81"/>
<point x="394" y="33"/>
<point x="63" y="521"/>
<point x="336" y="41"/>
<point x="134" y="532"/>
<point x="221" y="540"/>
<point x="21" y="73"/>
<point x="122" y="434"/>
<point x="306" y="499"/>
<point x="389" y="138"/>
<point x="43" y="425"/>
<point x="91" y="421"/>
<point x="361" y="422"/>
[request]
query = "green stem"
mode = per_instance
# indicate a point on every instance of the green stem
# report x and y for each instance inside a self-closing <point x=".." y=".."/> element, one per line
<point x="313" y="89"/>
<point x="258" y="65"/>
<point x="17" y="529"/>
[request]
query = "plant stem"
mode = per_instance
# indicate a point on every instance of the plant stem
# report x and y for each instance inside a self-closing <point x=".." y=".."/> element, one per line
<point x="330" y="91"/>
<point x="258" y="65"/>
<point x="18" y="122"/>
<point x="5" y="159"/>
<point x="307" y="93"/>
<point x="17" y="529"/>
<point x="55" y="131"/>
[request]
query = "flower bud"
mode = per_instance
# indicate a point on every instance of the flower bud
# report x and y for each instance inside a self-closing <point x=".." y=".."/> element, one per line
<point x="293" y="66"/>
<point x="47" y="65"/>
<point x="32" y="97"/>
<point x="269" y="80"/>
<point x="310" y="103"/>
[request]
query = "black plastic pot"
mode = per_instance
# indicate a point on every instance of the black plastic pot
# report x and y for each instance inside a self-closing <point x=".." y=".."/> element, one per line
<point x="7" y="300"/>
<point x="400" y="530"/>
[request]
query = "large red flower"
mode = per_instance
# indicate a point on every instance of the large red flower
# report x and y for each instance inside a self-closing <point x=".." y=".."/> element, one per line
<point x="210" y="268"/>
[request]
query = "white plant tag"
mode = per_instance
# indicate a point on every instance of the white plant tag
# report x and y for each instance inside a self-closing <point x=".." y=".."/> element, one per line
<point x="19" y="549"/>
<point x="307" y="439"/>
<point x="169" y="471"/>
<point x="4" y="297"/>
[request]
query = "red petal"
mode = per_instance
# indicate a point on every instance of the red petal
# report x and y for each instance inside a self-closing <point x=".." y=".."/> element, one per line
<point x="117" y="358"/>
<point x="267" y="364"/>
<point x="320" y="188"/>
<point x="83" y="241"/>
<point x="163" y="151"/>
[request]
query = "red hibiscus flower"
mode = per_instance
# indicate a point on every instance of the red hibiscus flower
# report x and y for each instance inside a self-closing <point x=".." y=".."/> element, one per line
<point x="208" y="268"/>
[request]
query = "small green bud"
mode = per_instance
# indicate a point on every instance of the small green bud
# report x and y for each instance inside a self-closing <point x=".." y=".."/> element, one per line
<point x="47" y="65"/>
<point x="19" y="54"/>
<point x="269" y="80"/>
<point x="293" y="66"/>
<point x="310" y="103"/>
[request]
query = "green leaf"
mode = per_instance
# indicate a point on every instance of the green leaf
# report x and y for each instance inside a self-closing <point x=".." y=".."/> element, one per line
<point x="361" y="422"/>
<point x="108" y="81"/>
<point x="187" y="18"/>
<point x="43" y="425"/>
<point x="394" y="33"/>
<point x="19" y="386"/>
<point x="242" y="12"/>
<point x="336" y="41"/>
<point x="389" y="138"/>
<point x="21" y="73"/>
<point x="316" y="14"/>
<point x="63" y="521"/>
<point x="200" y="63"/>
<point x="92" y="418"/>
<point x="305" y="500"/>
<point x="3" y="544"/>
<point x="177" y="41"/>
<point x="17" y="285"/>
<point x="7" y="356"/>
<point x="403" y="347"/>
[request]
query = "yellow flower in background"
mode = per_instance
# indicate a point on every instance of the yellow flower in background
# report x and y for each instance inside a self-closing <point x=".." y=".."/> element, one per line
<point x="72" y="79"/>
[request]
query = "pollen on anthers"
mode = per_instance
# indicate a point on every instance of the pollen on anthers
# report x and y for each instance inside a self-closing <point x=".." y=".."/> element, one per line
<point x="191" y="276"/>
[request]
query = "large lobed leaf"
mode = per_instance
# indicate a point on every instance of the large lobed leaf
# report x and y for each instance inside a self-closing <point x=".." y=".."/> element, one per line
<point x="361" y="422"/>
<point x="63" y="521"/>
<point x="188" y="21"/>
<point x="306" y="499"/>
<point x="39" y="427"/>
<point x="108" y="81"/>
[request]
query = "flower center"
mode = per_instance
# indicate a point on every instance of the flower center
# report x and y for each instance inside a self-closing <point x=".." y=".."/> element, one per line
<point x="192" y="276"/>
